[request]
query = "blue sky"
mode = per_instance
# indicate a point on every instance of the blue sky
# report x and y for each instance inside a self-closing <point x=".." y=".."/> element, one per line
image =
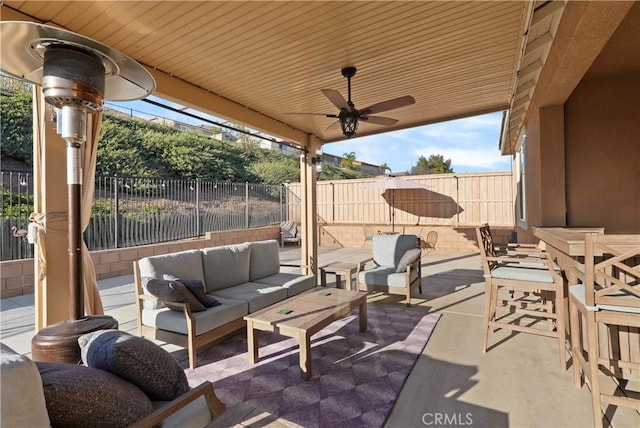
<point x="470" y="143"/>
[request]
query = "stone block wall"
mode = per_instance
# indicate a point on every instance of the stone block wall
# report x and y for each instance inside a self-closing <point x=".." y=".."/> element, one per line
<point x="17" y="277"/>
<point x="450" y="238"/>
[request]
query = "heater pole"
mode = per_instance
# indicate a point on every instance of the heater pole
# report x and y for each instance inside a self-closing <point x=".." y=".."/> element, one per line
<point x="74" y="189"/>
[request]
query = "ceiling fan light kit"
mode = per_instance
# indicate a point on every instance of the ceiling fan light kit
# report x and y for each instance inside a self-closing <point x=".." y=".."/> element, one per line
<point x="349" y="117"/>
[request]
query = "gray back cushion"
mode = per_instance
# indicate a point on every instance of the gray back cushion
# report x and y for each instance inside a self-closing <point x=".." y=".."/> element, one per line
<point x="185" y="264"/>
<point x="265" y="259"/>
<point x="389" y="249"/>
<point x="226" y="266"/>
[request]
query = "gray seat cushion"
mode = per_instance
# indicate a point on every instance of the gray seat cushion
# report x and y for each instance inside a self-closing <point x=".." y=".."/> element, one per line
<point x="628" y="302"/>
<point x="522" y="274"/>
<point x="264" y="260"/>
<point x="166" y="319"/>
<point x="294" y="283"/>
<point x="225" y="266"/>
<point x="384" y="276"/>
<point x="257" y="295"/>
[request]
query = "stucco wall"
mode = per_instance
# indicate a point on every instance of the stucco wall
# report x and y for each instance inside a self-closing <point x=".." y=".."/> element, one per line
<point x="602" y="119"/>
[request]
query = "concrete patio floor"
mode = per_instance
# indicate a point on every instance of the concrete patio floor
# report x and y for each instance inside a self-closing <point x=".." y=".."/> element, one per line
<point x="517" y="383"/>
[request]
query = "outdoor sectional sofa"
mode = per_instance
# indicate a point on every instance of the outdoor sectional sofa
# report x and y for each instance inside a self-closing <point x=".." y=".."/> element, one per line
<point x="243" y="278"/>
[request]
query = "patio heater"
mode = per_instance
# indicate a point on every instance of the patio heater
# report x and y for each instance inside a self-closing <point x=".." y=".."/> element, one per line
<point x="76" y="74"/>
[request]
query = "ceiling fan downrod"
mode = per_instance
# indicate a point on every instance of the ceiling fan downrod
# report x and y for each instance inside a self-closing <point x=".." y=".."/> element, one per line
<point x="349" y="72"/>
<point x="349" y="118"/>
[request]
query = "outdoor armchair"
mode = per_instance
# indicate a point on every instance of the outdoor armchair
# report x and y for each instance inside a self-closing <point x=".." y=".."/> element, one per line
<point x="396" y="266"/>
<point x="289" y="233"/>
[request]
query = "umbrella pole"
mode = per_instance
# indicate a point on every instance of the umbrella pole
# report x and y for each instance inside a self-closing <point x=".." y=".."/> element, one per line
<point x="393" y="210"/>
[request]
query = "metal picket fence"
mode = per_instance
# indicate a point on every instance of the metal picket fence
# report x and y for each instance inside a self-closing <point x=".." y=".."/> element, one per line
<point x="131" y="211"/>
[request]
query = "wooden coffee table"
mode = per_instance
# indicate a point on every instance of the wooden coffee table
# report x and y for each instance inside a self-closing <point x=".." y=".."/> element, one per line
<point x="310" y="312"/>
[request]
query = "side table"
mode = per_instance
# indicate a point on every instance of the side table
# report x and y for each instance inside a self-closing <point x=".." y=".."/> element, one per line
<point x="339" y="269"/>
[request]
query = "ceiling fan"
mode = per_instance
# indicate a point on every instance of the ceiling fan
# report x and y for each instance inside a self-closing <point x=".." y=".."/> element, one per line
<point x="349" y="116"/>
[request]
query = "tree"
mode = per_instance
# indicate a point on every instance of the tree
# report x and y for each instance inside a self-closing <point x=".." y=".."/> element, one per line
<point x="16" y="132"/>
<point x="434" y="165"/>
<point x="348" y="160"/>
<point x="384" y="167"/>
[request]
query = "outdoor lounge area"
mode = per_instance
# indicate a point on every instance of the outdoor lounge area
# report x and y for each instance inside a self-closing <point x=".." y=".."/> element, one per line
<point x="452" y="346"/>
<point x="516" y="382"/>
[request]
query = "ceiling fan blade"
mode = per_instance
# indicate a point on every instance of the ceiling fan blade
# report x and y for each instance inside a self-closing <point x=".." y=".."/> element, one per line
<point x="389" y="105"/>
<point x="379" y="120"/>
<point x="334" y="125"/>
<point x="336" y="98"/>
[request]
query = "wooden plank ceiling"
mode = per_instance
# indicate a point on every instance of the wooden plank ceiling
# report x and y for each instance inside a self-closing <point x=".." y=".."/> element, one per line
<point x="456" y="59"/>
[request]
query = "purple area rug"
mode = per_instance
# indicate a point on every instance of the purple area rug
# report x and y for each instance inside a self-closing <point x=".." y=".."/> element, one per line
<point x="356" y="376"/>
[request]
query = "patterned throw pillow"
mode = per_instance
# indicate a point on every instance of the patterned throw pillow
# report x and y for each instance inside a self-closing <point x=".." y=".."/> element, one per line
<point x="79" y="396"/>
<point x="172" y="292"/>
<point x="197" y="289"/>
<point x="138" y="360"/>
<point x="408" y="258"/>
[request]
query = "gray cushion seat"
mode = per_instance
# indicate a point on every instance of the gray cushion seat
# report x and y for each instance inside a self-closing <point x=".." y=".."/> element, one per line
<point x="256" y="294"/>
<point x="166" y="319"/>
<point x="628" y="302"/>
<point x="293" y="283"/>
<point x="388" y="276"/>
<point x="522" y="274"/>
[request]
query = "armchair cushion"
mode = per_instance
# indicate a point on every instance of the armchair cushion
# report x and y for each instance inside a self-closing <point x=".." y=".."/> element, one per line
<point x="71" y="390"/>
<point x="196" y="287"/>
<point x="408" y="258"/>
<point x="385" y="277"/>
<point x="389" y="249"/>
<point x="173" y="292"/>
<point x="141" y="362"/>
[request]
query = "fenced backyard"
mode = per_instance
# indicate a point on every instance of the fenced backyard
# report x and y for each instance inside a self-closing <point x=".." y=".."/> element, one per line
<point x="131" y="211"/>
<point x="451" y="200"/>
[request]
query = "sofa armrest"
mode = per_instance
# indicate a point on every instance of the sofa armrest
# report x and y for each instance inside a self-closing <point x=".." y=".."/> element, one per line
<point x="216" y="407"/>
<point x="148" y="297"/>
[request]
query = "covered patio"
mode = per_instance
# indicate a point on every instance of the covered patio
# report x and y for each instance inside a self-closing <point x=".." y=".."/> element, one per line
<point x="550" y="66"/>
<point x="517" y="383"/>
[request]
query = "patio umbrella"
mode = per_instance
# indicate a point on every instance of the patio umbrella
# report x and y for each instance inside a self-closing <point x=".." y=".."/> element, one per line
<point x="393" y="183"/>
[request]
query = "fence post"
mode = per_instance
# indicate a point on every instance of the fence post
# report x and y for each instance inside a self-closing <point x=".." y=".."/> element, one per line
<point x="116" y="212"/>
<point x="198" y="232"/>
<point x="246" y="205"/>
<point x="281" y="206"/>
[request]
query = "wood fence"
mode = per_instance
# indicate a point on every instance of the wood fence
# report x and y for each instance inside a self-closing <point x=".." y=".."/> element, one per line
<point x="452" y="200"/>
